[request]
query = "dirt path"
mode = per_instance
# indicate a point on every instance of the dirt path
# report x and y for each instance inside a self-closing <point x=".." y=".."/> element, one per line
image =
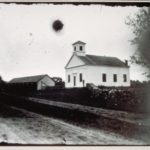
<point x="38" y="129"/>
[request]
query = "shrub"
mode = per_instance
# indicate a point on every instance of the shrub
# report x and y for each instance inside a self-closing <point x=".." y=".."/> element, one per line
<point x="123" y="98"/>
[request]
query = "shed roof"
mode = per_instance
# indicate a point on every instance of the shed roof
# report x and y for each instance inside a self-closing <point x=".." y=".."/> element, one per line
<point x="29" y="79"/>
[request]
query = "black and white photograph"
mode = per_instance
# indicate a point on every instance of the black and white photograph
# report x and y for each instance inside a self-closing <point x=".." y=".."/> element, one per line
<point x="74" y="74"/>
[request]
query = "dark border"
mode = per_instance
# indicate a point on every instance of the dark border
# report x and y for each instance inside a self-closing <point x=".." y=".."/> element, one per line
<point x="138" y="4"/>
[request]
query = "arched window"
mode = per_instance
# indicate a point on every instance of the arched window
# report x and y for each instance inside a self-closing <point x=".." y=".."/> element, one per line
<point x="81" y="48"/>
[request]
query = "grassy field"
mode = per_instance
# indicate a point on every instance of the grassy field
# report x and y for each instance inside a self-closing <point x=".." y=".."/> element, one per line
<point x="126" y="99"/>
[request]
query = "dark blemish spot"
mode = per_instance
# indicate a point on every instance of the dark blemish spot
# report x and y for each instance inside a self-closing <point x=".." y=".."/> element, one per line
<point x="57" y="25"/>
<point x="30" y="34"/>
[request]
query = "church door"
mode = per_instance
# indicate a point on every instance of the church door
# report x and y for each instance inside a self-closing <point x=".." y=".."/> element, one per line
<point x="74" y="78"/>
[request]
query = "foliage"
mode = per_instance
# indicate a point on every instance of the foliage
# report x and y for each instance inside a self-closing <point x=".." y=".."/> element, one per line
<point x="132" y="99"/>
<point x="59" y="83"/>
<point x="2" y="83"/>
<point x="140" y="26"/>
<point x="138" y="84"/>
<point x="123" y="98"/>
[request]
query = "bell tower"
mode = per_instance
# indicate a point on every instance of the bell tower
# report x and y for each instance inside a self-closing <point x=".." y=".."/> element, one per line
<point x="79" y="48"/>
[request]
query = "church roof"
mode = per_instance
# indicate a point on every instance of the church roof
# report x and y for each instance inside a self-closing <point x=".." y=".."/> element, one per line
<point x="102" y="60"/>
<point x="29" y="79"/>
<point x="78" y="42"/>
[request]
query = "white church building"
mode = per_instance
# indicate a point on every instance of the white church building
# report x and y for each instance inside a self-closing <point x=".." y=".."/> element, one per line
<point x="99" y="70"/>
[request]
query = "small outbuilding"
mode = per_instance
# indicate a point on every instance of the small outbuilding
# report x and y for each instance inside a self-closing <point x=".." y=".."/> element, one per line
<point x="38" y="82"/>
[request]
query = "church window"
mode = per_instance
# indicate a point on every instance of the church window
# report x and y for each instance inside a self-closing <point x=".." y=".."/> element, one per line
<point x="80" y="77"/>
<point x="124" y="78"/>
<point x="104" y="77"/>
<point x="115" y="77"/>
<point x="81" y="48"/>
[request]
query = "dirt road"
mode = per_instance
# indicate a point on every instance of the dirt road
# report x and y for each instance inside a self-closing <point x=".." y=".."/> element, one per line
<point x="38" y="129"/>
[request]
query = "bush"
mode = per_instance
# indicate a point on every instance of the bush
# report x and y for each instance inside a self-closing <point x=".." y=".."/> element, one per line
<point x="59" y="83"/>
<point x="133" y="99"/>
<point x="123" y="98"/>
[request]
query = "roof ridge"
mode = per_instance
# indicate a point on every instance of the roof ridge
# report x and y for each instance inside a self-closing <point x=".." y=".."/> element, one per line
<point x="102" y="56"/>
<point x="78" y="42"/>
<point x="30" y="76"/>
<point x="39" y="77"/>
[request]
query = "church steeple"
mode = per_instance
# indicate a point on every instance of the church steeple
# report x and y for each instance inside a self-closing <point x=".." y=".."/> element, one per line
<point x="79" y="48"/>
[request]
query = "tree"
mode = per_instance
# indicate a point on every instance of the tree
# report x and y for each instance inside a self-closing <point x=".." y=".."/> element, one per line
<point x="140" y="25"/>
<point x="1" y="80"/>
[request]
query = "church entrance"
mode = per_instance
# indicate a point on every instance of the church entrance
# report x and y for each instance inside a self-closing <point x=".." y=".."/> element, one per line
<point x="74" y="79"/>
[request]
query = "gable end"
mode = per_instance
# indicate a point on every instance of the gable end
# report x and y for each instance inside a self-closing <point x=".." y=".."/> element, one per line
<point x="76" y="62"/>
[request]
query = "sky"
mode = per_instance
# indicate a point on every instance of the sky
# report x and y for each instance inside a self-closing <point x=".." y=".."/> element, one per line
<point x="30" y="46"/>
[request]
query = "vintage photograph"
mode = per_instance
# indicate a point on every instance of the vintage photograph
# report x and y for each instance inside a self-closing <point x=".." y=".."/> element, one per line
<point x="74" y="74"/>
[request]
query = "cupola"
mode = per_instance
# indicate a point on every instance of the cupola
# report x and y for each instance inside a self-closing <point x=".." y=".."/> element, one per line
<point x="79" y="48"/>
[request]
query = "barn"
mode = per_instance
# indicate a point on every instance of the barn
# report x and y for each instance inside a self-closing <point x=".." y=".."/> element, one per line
<point x="38" y="82"/>
<point x="99" y="70"/>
